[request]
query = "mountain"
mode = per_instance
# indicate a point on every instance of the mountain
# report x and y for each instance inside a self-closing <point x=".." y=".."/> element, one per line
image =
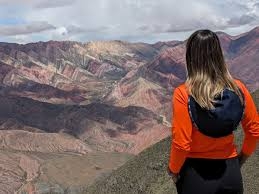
<point x="71" y="72"/>
<point x="81" y="73"/>
<point x="244" y="52"/>
<point x="54" y="113"/>
<point x="164" y="45"/>
<point x="168" y="68"/>
<point x="43" y="141"/>
<point x="73" y="112"/>
<point x="104" y="127"/>
<point x="151" y="85"/>
<point x="147" y="172"/>
<point x="225" y="40"/>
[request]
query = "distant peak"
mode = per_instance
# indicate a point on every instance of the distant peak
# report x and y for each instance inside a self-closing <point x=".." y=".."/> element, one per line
<point x="223" y="34"/>
<point x="256" y="29"/>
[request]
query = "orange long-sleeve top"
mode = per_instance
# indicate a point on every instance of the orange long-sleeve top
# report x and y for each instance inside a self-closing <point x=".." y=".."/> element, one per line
<point x="188" y="141"/>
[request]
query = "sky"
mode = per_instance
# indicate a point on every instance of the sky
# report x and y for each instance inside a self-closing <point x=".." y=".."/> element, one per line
<point x="24" y="21"/>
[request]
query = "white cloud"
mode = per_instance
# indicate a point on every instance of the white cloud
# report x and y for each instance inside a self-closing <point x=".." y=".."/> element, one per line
<point x="135" y="20"/>
<point x="53" y="4"/>
<point x="11" y="30"/>
<point x="42" y="4"/>
<point x="242" y="20"/>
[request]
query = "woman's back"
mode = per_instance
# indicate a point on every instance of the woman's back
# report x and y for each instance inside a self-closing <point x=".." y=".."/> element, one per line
<point x="202" y="146"/>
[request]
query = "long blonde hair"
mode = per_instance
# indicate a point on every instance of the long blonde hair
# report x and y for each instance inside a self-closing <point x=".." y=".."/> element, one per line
<point x="207" y="73"/>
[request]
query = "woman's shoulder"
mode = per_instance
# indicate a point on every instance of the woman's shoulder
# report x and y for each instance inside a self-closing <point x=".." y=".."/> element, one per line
<point x="240" y="84"/>
<point x="181" y="91"/>
<point x="182" y="87"/>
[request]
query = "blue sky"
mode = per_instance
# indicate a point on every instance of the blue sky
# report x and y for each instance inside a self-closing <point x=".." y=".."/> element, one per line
<point x="24" y="21"/>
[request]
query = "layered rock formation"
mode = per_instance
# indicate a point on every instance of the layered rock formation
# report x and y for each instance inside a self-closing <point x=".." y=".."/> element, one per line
<point x="64" y="102"/>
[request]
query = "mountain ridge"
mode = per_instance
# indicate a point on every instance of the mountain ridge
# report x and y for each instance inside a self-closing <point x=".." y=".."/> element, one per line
<point x="102" y="96"/>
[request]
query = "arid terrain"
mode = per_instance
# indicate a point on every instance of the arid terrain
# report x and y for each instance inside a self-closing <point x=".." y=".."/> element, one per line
<point x="72" y="113"/>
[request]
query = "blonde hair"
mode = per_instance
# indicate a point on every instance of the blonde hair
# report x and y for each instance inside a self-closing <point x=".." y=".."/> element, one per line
<point x="207" y="73"/>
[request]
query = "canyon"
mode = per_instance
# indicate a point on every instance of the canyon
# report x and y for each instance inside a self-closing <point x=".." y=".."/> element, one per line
<point x="73" y="112"/>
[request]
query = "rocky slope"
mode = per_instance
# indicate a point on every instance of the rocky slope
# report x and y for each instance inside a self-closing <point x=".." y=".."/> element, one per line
<point x="244" y="52"/>
<point x="102" y="126"/>
<point x="54" y="172"/>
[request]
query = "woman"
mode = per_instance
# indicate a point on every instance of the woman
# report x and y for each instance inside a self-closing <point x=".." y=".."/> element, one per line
<point x="207" y="108"/>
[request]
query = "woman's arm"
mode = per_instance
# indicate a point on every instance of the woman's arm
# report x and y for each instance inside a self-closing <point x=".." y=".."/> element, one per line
<point x="181" y="130"/>
<point x="250" y="125"/>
